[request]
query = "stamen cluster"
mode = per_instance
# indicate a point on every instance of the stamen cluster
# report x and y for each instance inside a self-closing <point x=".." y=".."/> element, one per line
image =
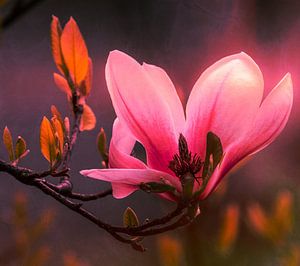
<point x="184" y="162"/>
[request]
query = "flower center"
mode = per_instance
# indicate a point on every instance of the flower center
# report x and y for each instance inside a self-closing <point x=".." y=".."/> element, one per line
<point x="184" y="162"/>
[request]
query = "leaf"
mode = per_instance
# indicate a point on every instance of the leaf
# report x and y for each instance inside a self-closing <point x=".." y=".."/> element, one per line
<point x="20" y="148"/>
<point x="47" y="141"/>
<point x="88" y="119"/>
<point x="74" y="51"/>
<point x="55" y="34"/>
<point x="56" y="124"/>
<point x="56" y="113"/>
<point x="101" y="144"/>
<point x="214" y="154"/>
<point x="62" y="84"/>
<point x="89" y="77"/>
<point x="7" y="140"/>
<point x="130" y="219"/>
<point x="86" y="84"/>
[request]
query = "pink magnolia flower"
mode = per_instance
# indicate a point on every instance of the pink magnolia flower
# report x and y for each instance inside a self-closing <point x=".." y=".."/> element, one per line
<point x="226" y="100"/>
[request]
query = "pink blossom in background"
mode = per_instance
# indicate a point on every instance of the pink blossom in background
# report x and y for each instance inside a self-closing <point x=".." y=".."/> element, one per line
<point x="226" y="99"/>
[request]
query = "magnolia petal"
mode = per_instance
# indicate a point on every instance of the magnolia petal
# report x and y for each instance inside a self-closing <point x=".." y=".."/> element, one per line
<point x="270" y="120"/>
<point x="133" y="177"/>
<point x="224" y="100"/>
<point x="121" y="191"/>
<point x="121" y="146"/>
<point x="140" y="104"/>
<point x="168" y="92"/>
<point x="272" y="116"/>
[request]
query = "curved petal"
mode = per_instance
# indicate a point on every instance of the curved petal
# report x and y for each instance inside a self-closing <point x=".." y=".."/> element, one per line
<point x="131" y="178"/>
<point x="139" y="99"/>
<point x="270" y="120"/>
<point x="121" y="191"/>
<point x="121" y="145"/>
<point x="272" y="116"/>
<point x="168" y="92"/>
<point x="224" y="100"/>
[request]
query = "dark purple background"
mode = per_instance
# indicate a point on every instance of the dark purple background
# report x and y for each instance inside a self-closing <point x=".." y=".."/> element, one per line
<point x="183" y="37"/>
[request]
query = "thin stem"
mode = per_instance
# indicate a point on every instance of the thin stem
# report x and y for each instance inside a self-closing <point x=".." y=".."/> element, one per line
<point x="77" y="207"/>
<point x="89" y="197"/>
<point x="77" y="111"/>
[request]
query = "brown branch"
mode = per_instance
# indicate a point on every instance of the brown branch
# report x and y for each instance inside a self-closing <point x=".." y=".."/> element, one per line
<point x="27" y="176"/>
<point x="89" y="197"/>
<point x="78" y="196"/>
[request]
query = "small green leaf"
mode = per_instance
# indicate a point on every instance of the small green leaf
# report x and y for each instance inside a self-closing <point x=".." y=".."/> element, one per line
<point x="214" y="154"/>
<point x="20" y="147"/>
<point x="130" y="219"/>
<point x="7" y="140"/>
<point x="101" y="145"/>
<point x="153" y="187"/>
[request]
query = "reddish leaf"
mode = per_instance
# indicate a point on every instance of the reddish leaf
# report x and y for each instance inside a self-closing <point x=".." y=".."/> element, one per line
<point x="55" y="34"/>
<point x="74" y="51"/>
<point x="56" y="113"/>
<point x="47" y="141"/>
<point x="56" y="124"/>
<point x="20" y="147"/>
<point x="62" y="84"/>
<point x="88" y="120"/>
<point x="7" y="140"/>
<point x="86" y="84"/>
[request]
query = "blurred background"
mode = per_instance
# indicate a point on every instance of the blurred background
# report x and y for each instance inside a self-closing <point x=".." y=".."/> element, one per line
<point x="253" y="218"/>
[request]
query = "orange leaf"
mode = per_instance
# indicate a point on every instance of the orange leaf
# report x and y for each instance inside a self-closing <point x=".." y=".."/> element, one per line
<point x="56" y="113"/>
<point x="86" y="84"/>
<point x="7" y="140"/>
<point x="88" y="120"/>
<point x="55" y="34"/>
<point x="74" y="51"/>
<point x="56" y="124"/>
<point x="62" y="84"/>
<point x="47" y="141"/>
<point x="20" y="148"/>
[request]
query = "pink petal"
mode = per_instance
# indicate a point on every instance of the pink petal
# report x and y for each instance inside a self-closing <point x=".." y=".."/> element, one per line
<point x="121" y="146"/>
<point x="168" y="92"/>
<point x="139" y="99"/>
<point x="270" y="120"/>
<point x="121" y="191"/>
<point x="224" y="100"/>
<point x="131" y="177"/>
<point x="272" y="116"/>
